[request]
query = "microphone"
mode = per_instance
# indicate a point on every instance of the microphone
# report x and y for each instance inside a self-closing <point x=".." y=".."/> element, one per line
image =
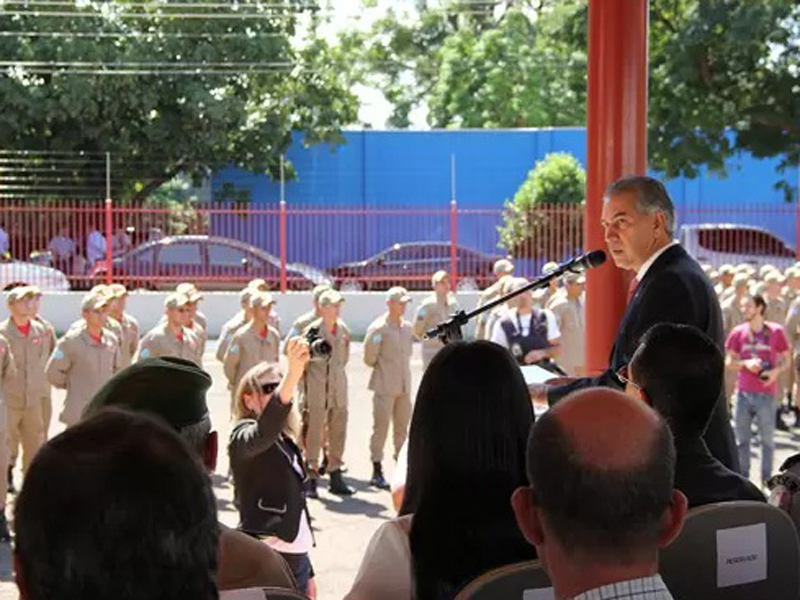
<point x="590" y="260"/>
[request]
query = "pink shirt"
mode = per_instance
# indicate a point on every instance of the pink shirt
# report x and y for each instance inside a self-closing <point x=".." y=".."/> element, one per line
<point x="766" y="344"/>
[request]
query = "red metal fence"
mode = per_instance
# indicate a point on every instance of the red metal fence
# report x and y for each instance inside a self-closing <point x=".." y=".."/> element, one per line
<point x="294" y="247"/>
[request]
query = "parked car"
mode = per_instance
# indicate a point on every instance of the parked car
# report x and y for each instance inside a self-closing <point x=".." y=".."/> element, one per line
<point x="718" y="244"/>
<point x="411" y="265"/>
<point x="212" y="263"/>
<point x="15" y="272"/>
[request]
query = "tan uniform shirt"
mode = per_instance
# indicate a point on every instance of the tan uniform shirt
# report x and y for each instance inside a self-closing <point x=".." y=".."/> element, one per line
<point x="128" y="330"/>
<point x="201" y="319"/>
<point x="8" y="371"/>
<point x="226" y="333"/>
<point x="81" y="365"/>
<point x="325" y="380"/>
<point x="792" y="324"/>
<point x="198" y="328"/>
<point x="160" y="341"/>
<point x="777" y="310"/>
<point x="571" y="318"/>
<point x="51" y="331"/>
<point x="247" y="349"/>
<point x="30" y="354"/>
<point x="387" y="349"/>
<point x="482" y="332"/>
<point x="430" y="314"/>
<point x="731" y="314"/>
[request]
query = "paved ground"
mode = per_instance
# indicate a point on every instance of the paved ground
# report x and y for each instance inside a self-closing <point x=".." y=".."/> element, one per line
<point x="342" y="526"/>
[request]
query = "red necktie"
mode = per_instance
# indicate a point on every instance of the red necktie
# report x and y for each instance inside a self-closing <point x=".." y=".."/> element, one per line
<point x="632" y="289"/>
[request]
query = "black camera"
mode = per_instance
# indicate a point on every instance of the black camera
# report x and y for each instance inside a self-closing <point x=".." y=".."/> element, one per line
<point x="319" y="347"/>
<point x="765" y="366"/>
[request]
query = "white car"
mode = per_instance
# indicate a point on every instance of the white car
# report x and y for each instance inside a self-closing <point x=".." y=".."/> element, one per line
<point x="14" y="273"/>
<point x="724" y="243"/>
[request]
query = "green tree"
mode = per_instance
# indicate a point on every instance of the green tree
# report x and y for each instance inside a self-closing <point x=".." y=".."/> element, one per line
<point x="546" y="209"/>
<point x="164" y="93"/>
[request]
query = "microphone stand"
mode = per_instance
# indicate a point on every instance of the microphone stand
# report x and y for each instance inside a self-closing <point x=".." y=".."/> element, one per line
<point x="450" y="330"/>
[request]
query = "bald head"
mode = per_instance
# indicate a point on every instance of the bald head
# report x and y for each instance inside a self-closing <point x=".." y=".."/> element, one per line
<point x="601" y="465"/>
<point x="591" y="421"/>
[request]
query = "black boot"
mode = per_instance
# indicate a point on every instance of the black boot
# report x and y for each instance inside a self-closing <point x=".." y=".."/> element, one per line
<point x="323" y="468"/>
<point x="338" y="486"/>
<point x="779" y="424"/>
<point x="311" y="488"/>
<point x="11" y="488"/>
<point x="377" y="477"/>
<point x="5" y="534"/>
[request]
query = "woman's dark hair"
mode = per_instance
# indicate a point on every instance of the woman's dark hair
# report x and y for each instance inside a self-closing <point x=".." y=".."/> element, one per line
<point x="466" y="455"/>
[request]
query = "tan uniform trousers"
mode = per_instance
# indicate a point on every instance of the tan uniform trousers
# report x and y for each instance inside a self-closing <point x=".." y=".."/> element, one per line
<point x="26" y="428"/>
<point x="385" y="410"/>
<point x="317" y="417"/>
<point x="4" y="464"/>
<point x="47" y="415"/>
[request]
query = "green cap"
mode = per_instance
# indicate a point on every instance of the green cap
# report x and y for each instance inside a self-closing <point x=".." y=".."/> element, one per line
<point x="171" y="388"/>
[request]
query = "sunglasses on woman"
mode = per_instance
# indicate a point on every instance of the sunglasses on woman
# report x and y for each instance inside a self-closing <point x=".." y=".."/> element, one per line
<point x="268" y="388"/>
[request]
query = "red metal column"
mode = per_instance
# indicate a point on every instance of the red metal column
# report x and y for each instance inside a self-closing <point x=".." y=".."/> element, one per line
<point x="283" y="245"/>
<point x="617" y="146"/>
<point x="454" y="243"/>
<point x="109" y="238"/>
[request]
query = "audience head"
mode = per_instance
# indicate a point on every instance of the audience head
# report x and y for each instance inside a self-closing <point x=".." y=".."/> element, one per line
<point x="503" y="268"/>
<point x="397" y="300"/>
<point x="171" y="389"/>
<point x="524" y="301"/>
<point x="679" y="371"/>
<point x="466" y="455"/>
<point x="601" y="495"/>
<point x="741" y="283"/>
<point x="116" y="507"/>
<point x="726" y="274"/>
<point x="441" y="283"/>
<point x="255" y="389"/>
<point x="638" y="215"/>
<point x="753" y="306"/>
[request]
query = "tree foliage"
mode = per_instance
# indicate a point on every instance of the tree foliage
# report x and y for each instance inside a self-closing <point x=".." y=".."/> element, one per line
<point x="724" y="74"/>
<point x="537" y="222"/>
<point x="164" y="94"/>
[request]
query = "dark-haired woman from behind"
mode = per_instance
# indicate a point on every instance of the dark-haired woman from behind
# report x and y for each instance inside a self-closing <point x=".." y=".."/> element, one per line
<point x="466" y="455"/>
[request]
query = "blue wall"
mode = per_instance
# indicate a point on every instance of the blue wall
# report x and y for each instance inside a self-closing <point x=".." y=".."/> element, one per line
<point x="413" y="169"/>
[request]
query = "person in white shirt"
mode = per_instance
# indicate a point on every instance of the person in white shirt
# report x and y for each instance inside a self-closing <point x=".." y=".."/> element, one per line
<point x="601" y="501"/>
<point x="465" y="453"/>
<point x="530" y="333"/>
<point x="95" y="247"/>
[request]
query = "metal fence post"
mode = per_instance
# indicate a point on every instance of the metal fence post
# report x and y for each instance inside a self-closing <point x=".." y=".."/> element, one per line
<point x="283" y="228"/>
<point x="453" y="223"/>
<point x="109" y="224"/>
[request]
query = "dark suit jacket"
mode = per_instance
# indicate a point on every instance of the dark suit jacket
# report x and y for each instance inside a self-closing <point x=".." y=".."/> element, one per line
<point x="705" y="480"/>
<point x="674" y="290"/>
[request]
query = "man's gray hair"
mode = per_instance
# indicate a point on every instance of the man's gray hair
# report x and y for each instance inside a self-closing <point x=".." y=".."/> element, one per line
<point x="651" y="196"/>
<point x="196" y="435"/>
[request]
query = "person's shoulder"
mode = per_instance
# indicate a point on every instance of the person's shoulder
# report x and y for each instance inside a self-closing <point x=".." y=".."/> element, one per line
<point x="377" y="324"/>
<point x="245" y="562"/>
<point x="343" y="326"/>
<point x="315" y="323"/>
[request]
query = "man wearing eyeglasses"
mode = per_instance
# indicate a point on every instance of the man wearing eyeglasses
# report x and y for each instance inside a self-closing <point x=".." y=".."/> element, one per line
<point x="172" y="338"/>
<point x="669" y="286"/>
<point x="84" y="359"/>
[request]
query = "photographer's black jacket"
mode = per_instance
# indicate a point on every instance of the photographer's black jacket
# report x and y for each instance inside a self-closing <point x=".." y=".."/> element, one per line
<point x="268" y="489"/>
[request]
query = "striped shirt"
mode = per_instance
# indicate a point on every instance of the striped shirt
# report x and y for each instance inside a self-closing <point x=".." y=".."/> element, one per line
<point x="647" y="588"/>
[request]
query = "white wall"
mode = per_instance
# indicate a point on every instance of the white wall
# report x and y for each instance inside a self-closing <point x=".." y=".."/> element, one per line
<point x="360" y="308"/>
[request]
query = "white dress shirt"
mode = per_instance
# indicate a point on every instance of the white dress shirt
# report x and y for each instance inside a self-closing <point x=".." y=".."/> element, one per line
<point x="646" y="588"/>
<point x="649" y="262"/>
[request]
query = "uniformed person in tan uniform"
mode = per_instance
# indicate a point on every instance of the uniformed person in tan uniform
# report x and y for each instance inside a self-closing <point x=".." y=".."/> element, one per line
<point x="262" y="286"/>
<point x="387" y="350"/>
<point x="84" y="359"/>
<point x="552" y="291"/>
<point x="726" y="273"/>
<point x="570" y="312"/>
<point x="434" y="310"/>
<point x="128" y="327"/>
<point x="498" y="312"/>
<point x="238" y="320"/>
<point x="325" y="392"/>
<point x="172" y="338"/>
<point x="7" y="371"/>
<point x="792" y="289"/>
<point x="47" y="401"/>
<point x="254" y="343"/>
<point x="777" y="309"/>
<point x="25" y="393"/>
<point x="303" y="321"/>
<point x="503" y="269"/>
<point x="195" y="296"/>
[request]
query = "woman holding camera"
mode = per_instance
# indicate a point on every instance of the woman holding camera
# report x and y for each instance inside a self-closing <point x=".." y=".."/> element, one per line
<point x="267" y="465"/>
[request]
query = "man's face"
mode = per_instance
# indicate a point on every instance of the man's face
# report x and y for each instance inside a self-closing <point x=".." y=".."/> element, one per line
<point x="574" y="289"/>
<point x="749" y="308"/>
<point x="21" y="308"/>
<point x="774" y="289"/>
<point x="396" y="309"/>
<point x="726" y="279"/>
<point x="630" y="234"/>
<point x="95" y="318"/>
<point x="192" y="306"/>
<point x="525" y="301"/>
<point x="443" y="287"/>
<point x="261" y="313"/>
<point x="330" y="312"/>
<point x="178" y="317"/>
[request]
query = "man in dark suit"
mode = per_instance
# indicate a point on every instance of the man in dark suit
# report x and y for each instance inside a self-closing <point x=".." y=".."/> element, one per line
<point x="678" y="370"/>
<point x="670" y="287"/>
